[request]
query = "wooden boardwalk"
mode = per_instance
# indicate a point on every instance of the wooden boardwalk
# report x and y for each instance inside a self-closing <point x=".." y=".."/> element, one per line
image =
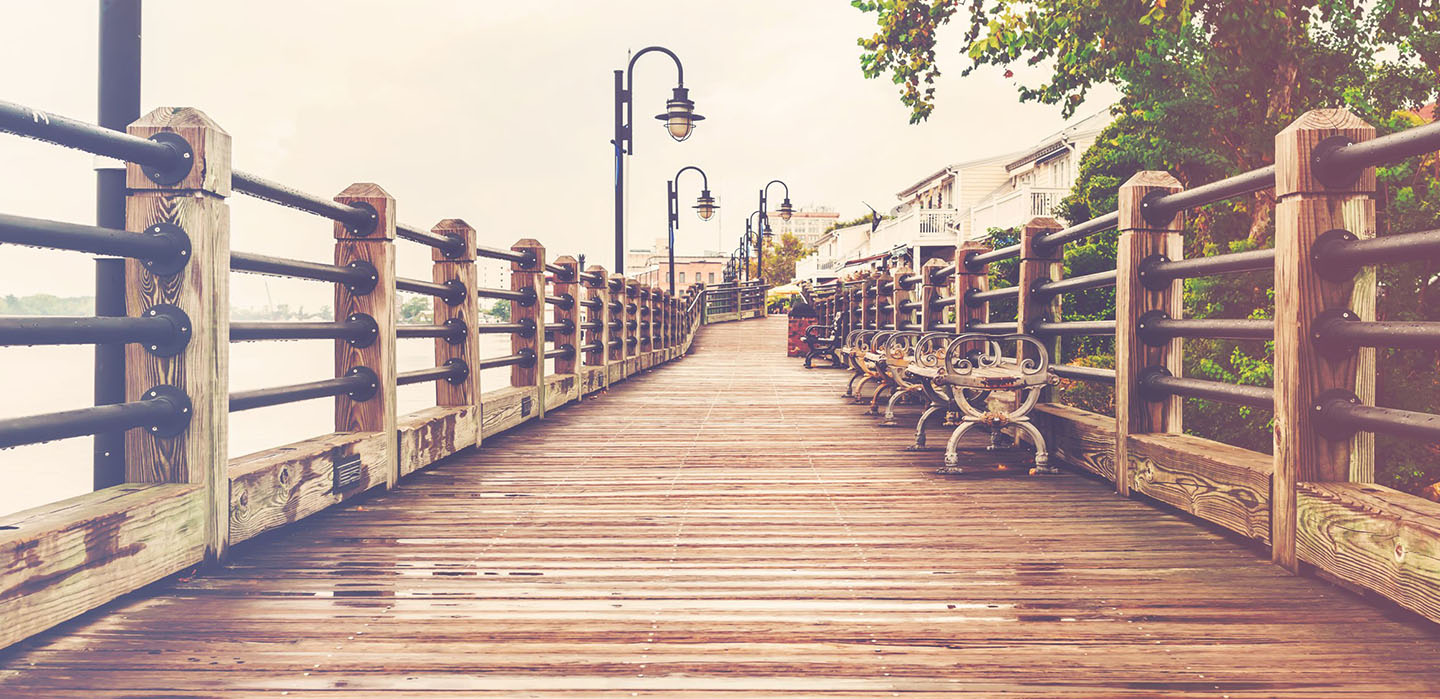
<point x="728" y="525"/>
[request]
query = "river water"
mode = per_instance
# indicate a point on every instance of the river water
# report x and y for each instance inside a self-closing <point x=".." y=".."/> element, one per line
<point x="39" y="380"/>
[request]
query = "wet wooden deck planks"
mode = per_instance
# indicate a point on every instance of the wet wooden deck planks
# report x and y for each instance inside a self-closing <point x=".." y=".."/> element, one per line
<point x="727" y="524"/>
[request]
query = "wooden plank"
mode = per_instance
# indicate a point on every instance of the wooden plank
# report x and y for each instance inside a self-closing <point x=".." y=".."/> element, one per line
<point x="504" y="408"/>
<point x="429" y="435"/>
<point x="592" y="379"/>
<point x="275" y="487"/>
<point x="459" y="268"/>
<point x="1369" y="535"/>
<point x="1079" y="437"/>
<point x="1217" y="482"/>
<point x="634" y="545"/>
<point x="61" y="560"/>
<point x="560" y="389"/>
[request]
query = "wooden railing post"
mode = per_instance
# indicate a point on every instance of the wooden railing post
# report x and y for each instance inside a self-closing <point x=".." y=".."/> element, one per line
<point x="867" y="303"/>
<point x="196" y="205"/>
<point x="884" y="301"/>
<point x="931" y="312"/>
<point x="599" y="291"/>
<point x="899" y="296"/>
<point x="1140" y="239"/>
<point x="967" y="280"/>
<point x="1038" y="264"/>
<point x="633" y="326"/>
<point x="1307" y="209"/>
<point x="375" y="247"/>
<point x="620" y="326"/>
<point x="461" y="269"/>
<point x="530" y="275"/>
<point x="567" y="285"/>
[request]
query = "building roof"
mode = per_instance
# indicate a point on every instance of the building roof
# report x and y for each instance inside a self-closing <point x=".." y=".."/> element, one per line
<point x="950" y="169"/>
<point x="1059" y="141"/>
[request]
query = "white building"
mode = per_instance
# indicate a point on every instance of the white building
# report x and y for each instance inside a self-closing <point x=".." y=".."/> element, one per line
<point x="807" y="224"/>
<point x="491" y="273"/>
<point x="962" y="202"/>
<point x="1038" y="179"/>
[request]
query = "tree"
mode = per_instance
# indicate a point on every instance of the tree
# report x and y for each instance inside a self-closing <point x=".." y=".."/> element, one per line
<point x="416" y="309"/>
<point x="500" y="309"/>
<point x="779" y="260"/>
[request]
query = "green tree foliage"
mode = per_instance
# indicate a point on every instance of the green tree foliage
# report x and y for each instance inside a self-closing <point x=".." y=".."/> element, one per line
<point x="416" y="309"/>
<point x="779" y="266"/>
<point x="46" y="305"/>
<point x="1205" y="86"/>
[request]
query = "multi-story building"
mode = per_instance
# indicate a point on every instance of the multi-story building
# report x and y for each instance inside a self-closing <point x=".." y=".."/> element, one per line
<point x="652" y="266"/>
<point x="1038" y="178"/>
<point x="491" y="273"/>
<point x="807" y="224"/>
<point x="961" y="202"/>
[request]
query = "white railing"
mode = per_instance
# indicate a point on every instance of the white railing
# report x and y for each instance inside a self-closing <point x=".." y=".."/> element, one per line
<point x="1014" y="208"/>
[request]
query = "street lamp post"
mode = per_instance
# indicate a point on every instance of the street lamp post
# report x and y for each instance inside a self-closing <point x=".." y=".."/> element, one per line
<point x="757" y="233"/>
<point x="785" y="211"/>
<point x="679" y="118"/>
<point x="705" y="207"/>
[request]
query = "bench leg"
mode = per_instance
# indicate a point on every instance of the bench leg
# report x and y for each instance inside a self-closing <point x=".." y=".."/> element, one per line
<point x="875" y="399"/>
<point x="952" y="449"/>
<point x="890" y="406"/>
<point x="1042" y="452"/>
<point x="850" y="387"/>
<point x="860" y="388"/>
<point x="930" y="412"/>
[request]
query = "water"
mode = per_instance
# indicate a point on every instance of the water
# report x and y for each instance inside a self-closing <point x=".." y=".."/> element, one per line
<point x="39" y="380"/>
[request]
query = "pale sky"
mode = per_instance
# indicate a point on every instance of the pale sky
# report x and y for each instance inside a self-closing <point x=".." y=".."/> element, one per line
<point x="498" y="113"/>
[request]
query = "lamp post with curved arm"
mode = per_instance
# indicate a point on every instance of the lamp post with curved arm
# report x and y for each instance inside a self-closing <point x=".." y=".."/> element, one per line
<point x="705" y="207"/>
<point x="679" y="118"/>
<point x="757" y="233"/>
<point x="785" y="211"/>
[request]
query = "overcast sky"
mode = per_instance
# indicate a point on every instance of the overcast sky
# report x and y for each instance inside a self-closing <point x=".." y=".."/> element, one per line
<point x="498" y="113"/>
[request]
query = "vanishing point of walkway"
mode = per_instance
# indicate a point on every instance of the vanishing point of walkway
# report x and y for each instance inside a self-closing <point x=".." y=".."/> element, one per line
<point x="727" y="525"/>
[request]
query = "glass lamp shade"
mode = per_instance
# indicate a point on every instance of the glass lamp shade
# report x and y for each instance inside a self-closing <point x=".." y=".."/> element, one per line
<point x="705" y="206"/>
<point x="786" y="210"/>
<point x="680" y="116"/>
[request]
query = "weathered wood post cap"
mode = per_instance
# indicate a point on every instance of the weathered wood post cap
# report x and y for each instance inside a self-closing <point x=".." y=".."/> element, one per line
<point x="1303" y="145"/>
<point x="203" y="150"/>
<point x="462" y="252"/>
<point x="371" y="196"/>
<point x="1133" y="195"/>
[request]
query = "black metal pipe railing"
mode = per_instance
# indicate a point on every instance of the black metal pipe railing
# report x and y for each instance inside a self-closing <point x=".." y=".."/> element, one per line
<point x="164" y="411"/>
<point x="591" y="347"/>
<point x="360" y="384"/>
<point x="991" y="327"/>
<point x="164" y="246"/>
<point x="1088" y="374"/>
<point x="449" y="245"/>
<point x="71" y="133"/>
<point x="1156" y="384"/>
<point x="1157" y="272"/>
<point x="523" y="328"/>
<point x="1079" y="231"/>
<point x="525" y="296"/>
<point x="1074" y="284"/>
<point x="1340" y="256"/>
<point x="1347" y="160"/>
<point x="359" y="329"/>
<point x="563" y="301"/>
<point x="1155" y="329"/>
<point x="939" y="275"/>
<point x="525" y="357"/>
<point x="452" y="331"/>
<point x="1338" y="417"/>
<point x="561" y="352"/>
<point x="451" y="292"/>
<point x="591" y="278"/>
<point x="154" y="330"/>
<point x="945" y="302"/>
<point x="1160" y="209"/>
<point x="360" y="276"/>
<point x="1074" y="328"/>
<point x="360" y="219"/>
<point x="592" y="304"/>
<point x="452" y="371"/>
<point x="1345" y="331"/>
<point x="976" y="299"/>
<point x="526" y="258"/>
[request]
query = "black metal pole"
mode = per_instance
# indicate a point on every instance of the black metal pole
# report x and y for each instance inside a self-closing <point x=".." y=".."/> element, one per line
<point x="671" y="213"/>
<point x="119" y="98"/>
<point x="619" y="171"/>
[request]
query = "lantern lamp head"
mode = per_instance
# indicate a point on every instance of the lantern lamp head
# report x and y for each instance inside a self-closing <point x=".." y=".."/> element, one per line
<point x="680" y="116"/>
<point x="705" y="206"/>
<point x="786" y="210"/>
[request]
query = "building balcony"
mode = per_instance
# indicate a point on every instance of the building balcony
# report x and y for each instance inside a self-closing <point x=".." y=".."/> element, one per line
<point x="1014" y="208"/>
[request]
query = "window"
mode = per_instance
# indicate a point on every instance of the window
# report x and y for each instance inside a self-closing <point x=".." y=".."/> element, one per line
<point x="712" y="278"/>
<point x="682" y="277"/>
